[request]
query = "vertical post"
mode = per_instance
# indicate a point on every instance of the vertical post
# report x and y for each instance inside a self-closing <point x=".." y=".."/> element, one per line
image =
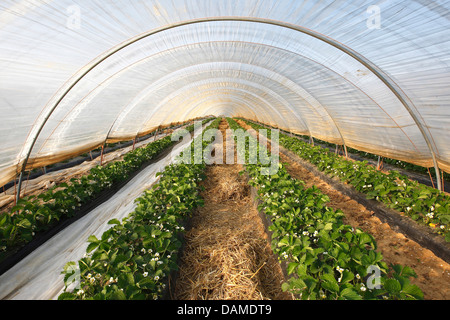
<point x="134" y="142"/>
<point x="431" y="178"/>
<point x="378" y="162"/>
<point x="17" y="188"/>
<point x="101" y="154"/>
<point x="28" y="179"/>
<point x="345" y="150"/>
<point x="438" y="178"/>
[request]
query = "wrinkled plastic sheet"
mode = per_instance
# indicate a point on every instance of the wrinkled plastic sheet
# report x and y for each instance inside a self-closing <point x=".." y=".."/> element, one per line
<point x="38" y="276"/>
<point x="50" y="179"/>
<point x="267" y="73"/>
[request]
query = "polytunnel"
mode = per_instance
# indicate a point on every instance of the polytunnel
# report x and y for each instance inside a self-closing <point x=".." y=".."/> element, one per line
<point x="368" y="75"/>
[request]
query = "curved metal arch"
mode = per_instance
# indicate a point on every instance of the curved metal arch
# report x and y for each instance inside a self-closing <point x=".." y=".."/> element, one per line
<point x="182" y="89"/>
<point x="240" y="95"/>
<point x="300" y="95"/>
<point x="273" y="94"/>
<point x="243" y="105"/>
<point x="398" y="92"/>
<point x="143" y="60"/>
<point x="312" y="96"/>
<point x="253" y="96"/>
<point x="112" y="77"/>
<point x="296" y="84"/>
<point x="232" y="100"/>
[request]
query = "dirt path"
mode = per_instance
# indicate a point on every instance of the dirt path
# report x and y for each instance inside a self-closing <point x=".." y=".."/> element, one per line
<point x="433" y="273"/>
<point x="227" y="254"/>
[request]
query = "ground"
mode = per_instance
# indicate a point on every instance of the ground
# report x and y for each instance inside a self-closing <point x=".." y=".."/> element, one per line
<point x="227" y="254"/>
<point x="433" y="273"/>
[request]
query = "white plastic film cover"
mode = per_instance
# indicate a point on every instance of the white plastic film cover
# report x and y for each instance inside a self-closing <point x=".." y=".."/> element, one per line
<point x="56" y="101"/>
<point x="38" y="276"/>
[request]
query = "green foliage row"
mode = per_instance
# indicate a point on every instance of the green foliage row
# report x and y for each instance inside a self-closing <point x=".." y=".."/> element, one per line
<point x="133" y="259"/>
<point x="422" y="203"/>
<point x="34" y="214"/>
<point x="326" y="259"/>
<point x="398" y="163"/>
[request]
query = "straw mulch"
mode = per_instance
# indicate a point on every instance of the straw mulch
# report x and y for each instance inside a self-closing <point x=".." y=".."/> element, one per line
<point x="227" y="254"/>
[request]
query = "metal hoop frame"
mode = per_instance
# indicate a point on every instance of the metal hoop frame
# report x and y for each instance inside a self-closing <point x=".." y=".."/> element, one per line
<point x="398" y="92"/>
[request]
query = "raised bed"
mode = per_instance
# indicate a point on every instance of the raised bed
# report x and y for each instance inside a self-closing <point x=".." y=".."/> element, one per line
<point x="419" y="233"/>
<point x="64" y="222"/>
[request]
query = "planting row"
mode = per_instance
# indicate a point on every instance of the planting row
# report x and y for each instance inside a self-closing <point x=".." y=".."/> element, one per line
<point x="421" y="203"/>
<point x="401" y="164"/>
<point x="367" y="155"/>
<point x="326" y="259"/>
<point x="35" y="214"/>
<point x="133" y="259"/>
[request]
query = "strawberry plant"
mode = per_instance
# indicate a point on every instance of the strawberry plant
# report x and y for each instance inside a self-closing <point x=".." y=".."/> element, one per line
<point x="36" y="214"/>
<point x="326" y="259"/>
<point x="133" y="259"/>
<point x="421" y="203"/>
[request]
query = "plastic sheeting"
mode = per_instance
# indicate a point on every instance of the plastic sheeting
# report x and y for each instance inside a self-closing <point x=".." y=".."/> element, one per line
<point x="260" y="71"/>
<point x="50" y="179"/>
<point x="38" y="276"/>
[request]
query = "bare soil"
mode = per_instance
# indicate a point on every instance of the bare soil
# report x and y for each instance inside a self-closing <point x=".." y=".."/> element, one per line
<point x="433" y="273"/>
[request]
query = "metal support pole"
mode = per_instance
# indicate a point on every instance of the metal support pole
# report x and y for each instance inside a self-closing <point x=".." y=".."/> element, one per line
<point x="377" y="71"/>
<point x="19" y="186"/>
<point x="101" y="155"/>
<point x="28" y="179"/>
<point x="431" y="178"/>
<point x="438" y="178"/>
